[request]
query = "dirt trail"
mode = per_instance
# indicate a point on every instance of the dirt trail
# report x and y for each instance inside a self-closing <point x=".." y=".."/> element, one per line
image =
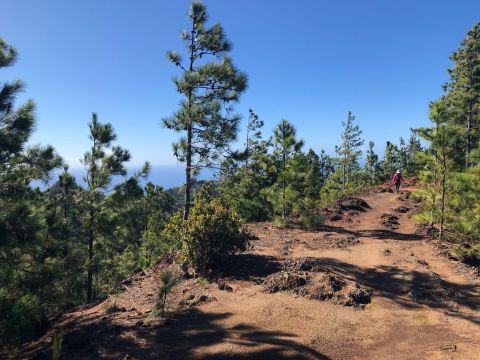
<point x="422" y="306"/>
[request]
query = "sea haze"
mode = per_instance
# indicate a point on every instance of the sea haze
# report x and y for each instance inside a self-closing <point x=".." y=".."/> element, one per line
<point x="167" y="176"/>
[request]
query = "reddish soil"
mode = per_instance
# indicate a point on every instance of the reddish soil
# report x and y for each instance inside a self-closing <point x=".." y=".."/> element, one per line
<point x="292" y="295"/>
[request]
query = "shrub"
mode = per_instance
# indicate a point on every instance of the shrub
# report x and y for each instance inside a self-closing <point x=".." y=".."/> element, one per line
<point x="468" y="254"/>
<point x="311" y="219"/>
<point x="279" y="222"/>
<point x="417" y="196"/>
<point x="211" y="232"/>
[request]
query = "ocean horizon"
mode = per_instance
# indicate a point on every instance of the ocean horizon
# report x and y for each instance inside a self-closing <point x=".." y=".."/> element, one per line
<point x="167" y="176"/>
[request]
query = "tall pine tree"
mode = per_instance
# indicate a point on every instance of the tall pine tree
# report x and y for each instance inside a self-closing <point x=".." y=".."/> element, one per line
<point x="349" y="151"/>
<point x="463" y="90"/>
<point x="209" y="88"/>
<point x="101" y="165"/>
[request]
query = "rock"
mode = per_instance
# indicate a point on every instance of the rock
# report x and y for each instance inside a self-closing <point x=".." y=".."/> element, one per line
<point x="198" y="299"/>
<point x="390" y="221"/>
<point x="335" y="217"/>
<point x="139" y="272"/>
<point x="422" y="262"/>
<point x="283" y="281"/>
<point x="387" y="252"/>
<point x="387" y="189"/>
<point x="359" y="296"/>
<point x="401" y="209"/>
<point x="351" y="203"/>
<point x="225" y="286"/>
<point x="298" y="264"/>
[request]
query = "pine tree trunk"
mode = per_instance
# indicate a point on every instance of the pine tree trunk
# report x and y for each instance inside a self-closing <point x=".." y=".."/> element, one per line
<point x="188" y="154"/>
<point x="90" y="259"/>
<point x="65" y="217"/>
<point x="469" y="139"/>
<point x="247" y="148"/>
<point x="442" y="203"/>
<point x="284" y="187"/>
<point x="188" y="175"/>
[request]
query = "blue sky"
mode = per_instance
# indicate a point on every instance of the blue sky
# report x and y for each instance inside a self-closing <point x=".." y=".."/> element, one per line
<point x="307" y="61"/>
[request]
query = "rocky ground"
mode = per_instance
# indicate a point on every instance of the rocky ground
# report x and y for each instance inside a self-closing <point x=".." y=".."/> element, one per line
<point x="366" y="285"/>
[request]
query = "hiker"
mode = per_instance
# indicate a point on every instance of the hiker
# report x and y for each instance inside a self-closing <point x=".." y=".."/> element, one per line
<point x="397" y="179"/>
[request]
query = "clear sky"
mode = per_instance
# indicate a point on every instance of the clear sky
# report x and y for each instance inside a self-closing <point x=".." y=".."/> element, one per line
<point x="307" y="61"/>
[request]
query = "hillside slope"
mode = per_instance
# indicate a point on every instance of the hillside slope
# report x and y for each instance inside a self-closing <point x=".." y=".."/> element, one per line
<point x="285" y="299"/>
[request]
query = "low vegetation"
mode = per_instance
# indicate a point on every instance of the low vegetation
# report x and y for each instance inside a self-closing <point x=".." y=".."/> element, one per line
<point x="169" y="281"/>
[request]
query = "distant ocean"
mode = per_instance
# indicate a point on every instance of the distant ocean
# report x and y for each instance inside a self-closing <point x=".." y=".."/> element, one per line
<point x="167" y="176"/>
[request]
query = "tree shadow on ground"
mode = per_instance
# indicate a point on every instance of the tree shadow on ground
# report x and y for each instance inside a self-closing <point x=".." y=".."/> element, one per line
<point x="411" y="288"/>
<point x="250" y="267"/>
<point x="185" y="335"/>
<point x="388" y="234"/>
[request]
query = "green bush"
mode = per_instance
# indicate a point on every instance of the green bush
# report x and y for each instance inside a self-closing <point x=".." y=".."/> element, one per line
<point x="280" y="222"/>
<point x="20" y="319"/>
<point x="311" y="219"/>
<point x="468" y="254"/>
<point x="211" y="232"/>
<point x="417" y="196"/>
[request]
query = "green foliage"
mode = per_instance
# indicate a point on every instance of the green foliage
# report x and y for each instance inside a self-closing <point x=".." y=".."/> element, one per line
<point x="463" y="91"/>
<point x="468" y="254"/>
<point x="349" y="151"/>
<point x="210" y="84"/>
<point x="417" y="196"/>
<point x="463" y="205"/>
<point x="283" y="194"/>
<point x="371" y="164"/>
<point x="245" y="174"/>
<point x="211" y="232"/>
<point x="202" y="281"/>
<point x="448" y="168"/>
<point x="169" y="281"/>
<point x="310" y="218"/>
<point x="25" y="243"/>
<point x="102" y="162"/>
<point x="57" y="345"/>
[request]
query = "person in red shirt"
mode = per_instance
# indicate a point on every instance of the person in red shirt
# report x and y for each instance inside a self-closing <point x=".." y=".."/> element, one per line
<point x="397" y="179"/>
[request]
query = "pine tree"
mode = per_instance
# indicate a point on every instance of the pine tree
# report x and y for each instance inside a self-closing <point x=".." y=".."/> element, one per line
<point x="390" y="160"/>
<point x="327" y="166"/>
<point x="464" y="90"/>
<point x="286" y="145"/>
<point x="23" y="234"/>
<point x="246" y="173"/>
<point x="313" y="175"/>
<point x="413" y="148"/>
<point x="349" y="151"/>
<point x="445" y="141"/>
<point x="371" y="163"/>
<point x="209" y="88"/>
<point x="101" y="166"/>
<point x="402" y="155"/>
